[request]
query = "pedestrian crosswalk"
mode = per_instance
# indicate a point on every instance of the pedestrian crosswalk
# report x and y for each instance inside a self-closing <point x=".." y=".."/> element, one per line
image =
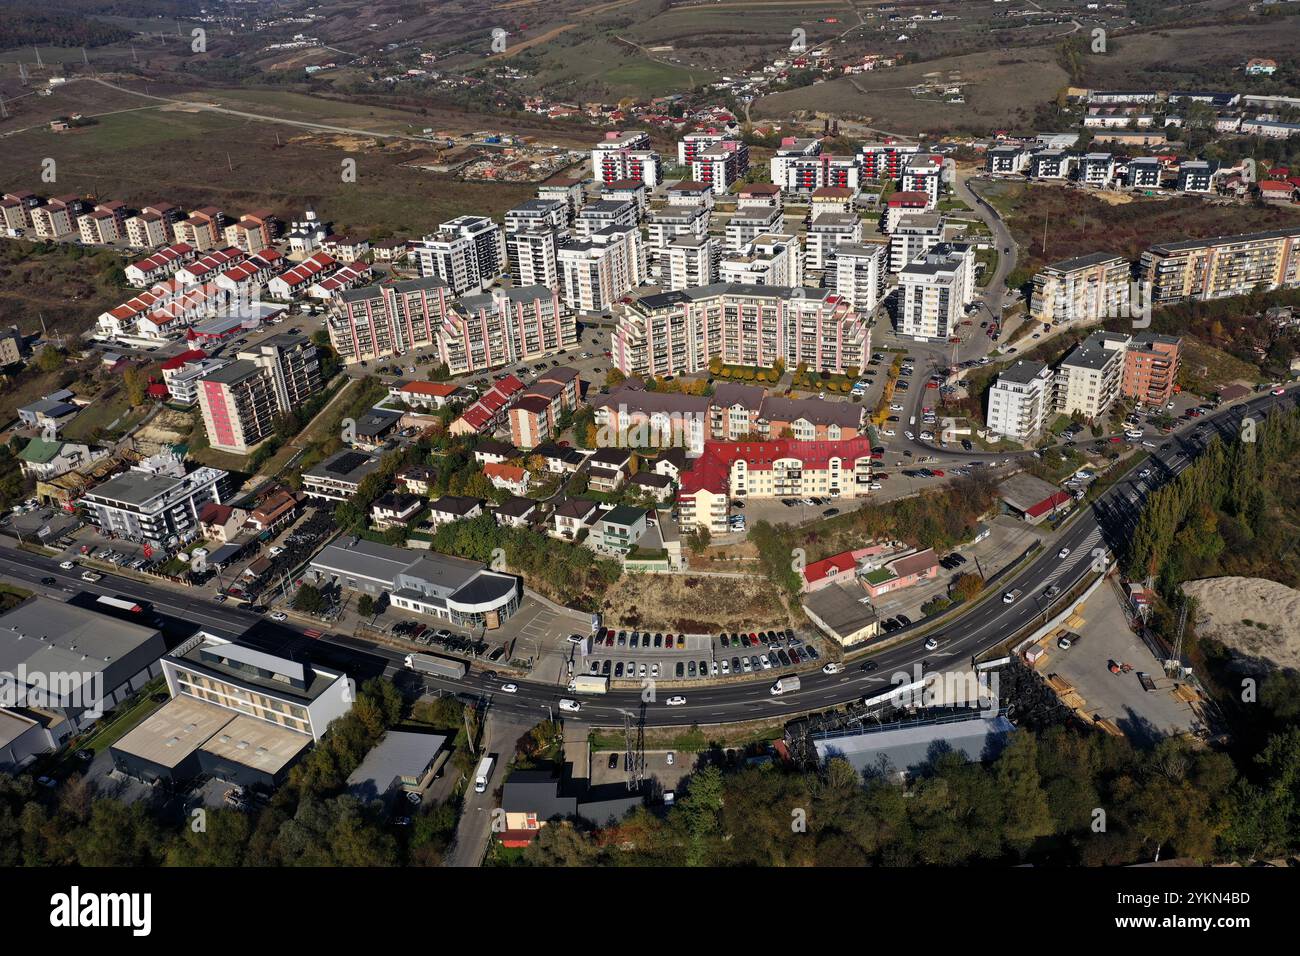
<point x="1082" y="552"/>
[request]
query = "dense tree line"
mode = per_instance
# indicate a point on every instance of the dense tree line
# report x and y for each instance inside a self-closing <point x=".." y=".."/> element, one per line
<point x="23" y="28"/>
<point x="1234" y="503"/>
<point x="566" y="572"/>
<point x="1057" y="798"/>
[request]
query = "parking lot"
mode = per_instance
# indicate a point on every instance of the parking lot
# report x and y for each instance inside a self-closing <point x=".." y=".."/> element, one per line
<point x="633" y="655"/>
<point x="664" y="769"/>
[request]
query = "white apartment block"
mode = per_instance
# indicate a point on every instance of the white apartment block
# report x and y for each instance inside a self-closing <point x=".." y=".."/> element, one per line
<point x="665" y="225"/>
<point x="1098" y="169"/>
<point x="534" y="256"/>
<point x="693" y="261"/>
<point x="913" y="237"/>
<point x="602" y="214"/>
<point x="1006" y="160"/>
<point x="597" y="271"/>
<point x="687" y="192"/>
<point x="923" y="174"/>
<point x="625" y="156"/>
<point x="693" y="144"/>
<point x="860" y="271"/>
<point x="467" y="253"/>
<point x="1144" y="173"/>
<point x="1051" y="164"/>
<point x="1196" y="176"/>
<point x="803" y="174"/>
<point x="750" y="222"/>
<point x="720" y="165"/>
<point x="1021" y="401"/>
<point x="1089" y="378"/>
<point x="769" y="260"/>
<point x="934" y="290"/>
<point x="825" y="233"/>
<point x="539" y="213"/>
<point x="790" y="150"/>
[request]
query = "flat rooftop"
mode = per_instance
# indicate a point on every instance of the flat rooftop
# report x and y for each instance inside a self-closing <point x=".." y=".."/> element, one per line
<point x="255" y="743"/>
<point x="174" y="731"/>
<point x="47" y="636"/>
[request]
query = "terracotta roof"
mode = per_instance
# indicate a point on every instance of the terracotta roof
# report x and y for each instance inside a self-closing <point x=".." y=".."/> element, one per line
<point x="712" y="470"/>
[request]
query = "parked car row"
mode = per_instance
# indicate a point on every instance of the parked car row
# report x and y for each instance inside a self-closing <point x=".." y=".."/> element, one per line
<point x="953" y="561"/>
<point x="608" y="637"/>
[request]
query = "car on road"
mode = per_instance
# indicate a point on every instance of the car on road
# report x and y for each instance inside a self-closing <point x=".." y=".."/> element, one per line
<point x="1063" y="553"/>
<point x="572" y="706"/>
<point x="613" y="761"/>
<point x="49" y="582"/>
<point x="868" y="666"/>
<point x="675" y="701"/>
<point x="931" y="644"/>
<point x="1011" y="596"/>
<point x="509" y="688"/>
<point x="831" y="667"/>
<point x="67" y="565"/>
<point x="1278" y="391"/>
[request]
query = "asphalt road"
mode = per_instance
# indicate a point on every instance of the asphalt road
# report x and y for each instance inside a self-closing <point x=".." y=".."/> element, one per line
<point x="1107" y="523"/>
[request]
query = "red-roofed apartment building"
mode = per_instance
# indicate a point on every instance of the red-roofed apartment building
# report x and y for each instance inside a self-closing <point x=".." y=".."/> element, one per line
<point x="771" y="469"/>
<point x="533" y="419"/>
<point x="489" y="412"/>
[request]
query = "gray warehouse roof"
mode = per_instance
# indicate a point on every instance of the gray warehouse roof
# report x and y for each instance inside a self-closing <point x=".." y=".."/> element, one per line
<point x="910" y="747"/>
<point x="399" y="754"/>
<point x="43" y="636"/>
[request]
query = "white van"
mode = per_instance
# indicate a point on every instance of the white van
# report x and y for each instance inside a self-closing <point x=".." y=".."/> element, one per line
<point x="483" y="774"/>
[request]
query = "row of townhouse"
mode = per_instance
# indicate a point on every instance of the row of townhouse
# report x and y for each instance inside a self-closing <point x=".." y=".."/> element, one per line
<point x="471" y="333"/>
<point x="1028" y="395"/>
<point x="219" y="284"/>
<point x="672" y="333"/>
<point x="1102" y="169"/>
<point x="113" y="222"/>
<point x="632" y="416"/>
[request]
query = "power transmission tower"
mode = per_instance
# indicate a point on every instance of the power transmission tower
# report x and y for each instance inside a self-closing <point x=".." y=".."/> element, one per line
<point x="633" y="751"/>
<point x="1178" y="640"/>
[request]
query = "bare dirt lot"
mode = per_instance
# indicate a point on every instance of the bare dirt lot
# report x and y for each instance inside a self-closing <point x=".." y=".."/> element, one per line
<point x="694" y="603"/>
<point x="1256" y="619"/>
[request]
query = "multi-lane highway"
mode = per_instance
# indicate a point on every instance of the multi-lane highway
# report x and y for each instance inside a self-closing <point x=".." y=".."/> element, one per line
<point x="1103" y="525"/>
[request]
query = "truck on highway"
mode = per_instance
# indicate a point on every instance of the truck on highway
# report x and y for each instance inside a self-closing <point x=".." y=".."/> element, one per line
<point x="483" y="773"/>
<point x="589" y="684"/>
<point x="785" y="685"/>
<point x="91" y="576"/>
<point x="436" y="666"/>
